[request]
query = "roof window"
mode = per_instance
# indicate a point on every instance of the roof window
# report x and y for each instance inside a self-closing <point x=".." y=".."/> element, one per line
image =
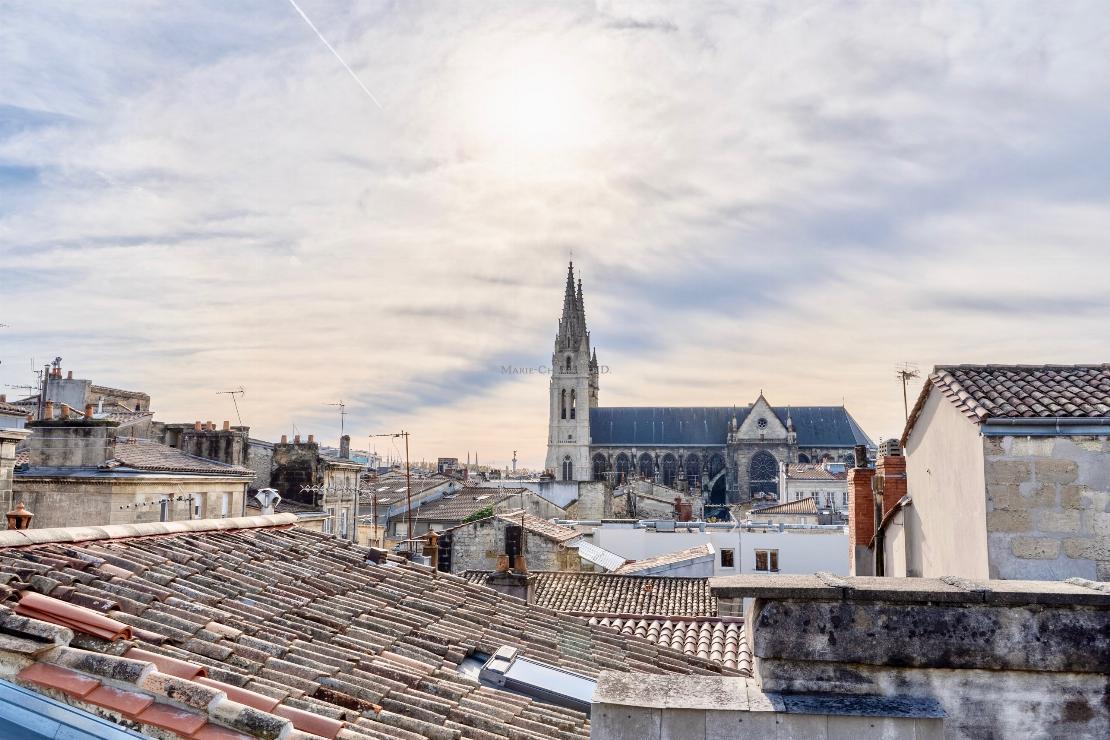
<point x="507" y="669"/>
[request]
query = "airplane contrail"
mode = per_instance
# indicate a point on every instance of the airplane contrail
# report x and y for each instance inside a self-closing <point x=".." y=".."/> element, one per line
<point x="336" y="53"/>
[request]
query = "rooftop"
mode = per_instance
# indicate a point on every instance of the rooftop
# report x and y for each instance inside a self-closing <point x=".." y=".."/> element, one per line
<point x="255" y="626"/>
<point x="616" y="594"/>
<point x="542" y="527"/>
<point x="458" y="506"/>
<point x="813" y="471"/>
<point x="668" y="559"/>
<point x="801" y="506"/>
<point x="986" y="392"/>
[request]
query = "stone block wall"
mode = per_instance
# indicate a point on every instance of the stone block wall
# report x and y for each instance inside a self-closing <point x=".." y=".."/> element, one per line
<point x="1002" y="658"/>
<point x="477" y="546"/>
<point x="1048" y="507"/>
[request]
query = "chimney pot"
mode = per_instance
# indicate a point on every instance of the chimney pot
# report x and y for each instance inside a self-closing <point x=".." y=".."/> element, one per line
<point x="69" y="375"/>
<point x="65" y="411"/>
<point x="209" y="425"/>
<point x="227" y="425"/>
<point x="296" y="439"/>
<point x="88" y="410"/>
<point x="285" y="439"/>
<point x="3" y="397"/>
<point x="311" y="438"/>
<point x="49" y="411"/>
<point x="19" y="517"/>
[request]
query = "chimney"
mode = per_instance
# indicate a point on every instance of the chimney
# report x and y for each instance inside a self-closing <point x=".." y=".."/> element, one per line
<point x="48" y="413"/>
<point x="296" y="439"/>
<point x="69" y="375"/>
<point x="3" y="397"/>
<point x="311" y="438"/>
<point x="861" y="520"/>
<point x="285" y="439"/>
<point x="209" y="426"/>
<point x="512" y="583"/>
<point x="892" y="471"/>
<point x="345" y="447"/>
<point x="65" y="411"/>
<point x="196" y="425"/>
<point x="19" y="517"/>
<point x="227" y="425"/>
<point x="88" y="410"/>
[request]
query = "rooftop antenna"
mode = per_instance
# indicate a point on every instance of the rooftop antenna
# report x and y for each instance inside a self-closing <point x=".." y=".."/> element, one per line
<point x="233" y="394"/>
<point x="906" y="372"/>
<point x="408" y="485"/>
<point x="342" y="413"/>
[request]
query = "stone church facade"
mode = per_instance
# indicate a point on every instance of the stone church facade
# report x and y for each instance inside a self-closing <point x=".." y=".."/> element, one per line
<point x="731" y="453"/>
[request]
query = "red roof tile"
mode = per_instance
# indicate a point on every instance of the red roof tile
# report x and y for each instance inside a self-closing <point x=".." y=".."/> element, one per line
<point x="181" y="721"/>
<point x="130" y="703"/>
<point x="62" y="679"/>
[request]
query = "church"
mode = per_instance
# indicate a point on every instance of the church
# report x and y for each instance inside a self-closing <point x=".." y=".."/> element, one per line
<point x="731" y="453"/>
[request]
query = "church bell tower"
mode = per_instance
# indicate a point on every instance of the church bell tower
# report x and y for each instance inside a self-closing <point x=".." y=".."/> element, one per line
<point x="573" y="390"/>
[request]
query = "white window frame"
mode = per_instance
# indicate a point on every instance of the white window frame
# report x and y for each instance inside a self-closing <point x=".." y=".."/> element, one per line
<point x="772" y="554"/>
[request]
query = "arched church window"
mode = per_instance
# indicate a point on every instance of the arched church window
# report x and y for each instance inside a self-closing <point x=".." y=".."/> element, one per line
<point x="568" y="363"/>
<point x="803" y="457"/>
<point x="763" y="475"/>
<point x="692" y="463"/>
<point x="716" y="465"/>
<point x="669" y="468"/>
<point x="573" y="402"/>
<point x="568" y="468"/>
<point x="563" y="403"/>
<point x="600" y="466"/>
<point x="623" y="467"/>
<point x="647" y="466"/>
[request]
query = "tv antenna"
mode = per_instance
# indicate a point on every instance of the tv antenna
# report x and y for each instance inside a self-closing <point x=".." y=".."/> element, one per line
<point x="408" y="485"/>
<point x="342" y="413"/>
<point x="233" y="394"/>
<point x="906" y="372"/>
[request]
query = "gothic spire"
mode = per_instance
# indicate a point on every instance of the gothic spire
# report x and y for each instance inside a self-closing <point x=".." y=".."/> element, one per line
<point x="570" y="300"/>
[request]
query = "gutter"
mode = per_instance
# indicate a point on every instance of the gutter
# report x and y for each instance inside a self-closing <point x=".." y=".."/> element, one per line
<point x="1046" y="426"/>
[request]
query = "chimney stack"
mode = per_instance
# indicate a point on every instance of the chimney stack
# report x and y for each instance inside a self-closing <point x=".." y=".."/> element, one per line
<point x="892" y="470"/>
<point x="861" y="519"/>
<point x="69" y="375"/>
<point x="345" y="447"/>
<point x="209" y="426"/>
<point x="227" y="425"/>
<point x="285" y="439"/>
<point x="296" y="439"/>
<point x="196" y="425"/>
<point x="311" y="438"/>
<point x="88" y="410"/>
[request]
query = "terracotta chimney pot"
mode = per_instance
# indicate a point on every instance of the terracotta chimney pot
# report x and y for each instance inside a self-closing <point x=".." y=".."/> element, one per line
<point x="209" y="425"/>
<point x="285" y="439"/>
<point x="227" y="425"/>
<point x="65" y="411"/>
<point x="69" y="375"/>
<point x="49" y="412"/>
<point x="19" y="517"/>
<point x="88" y="410"/>
<point x="196" y="425"/>
<point x="296" y="439"/>
<point x="311" y="438"/>
<point x="3" y="397"/>
<point x="502" y="564"/>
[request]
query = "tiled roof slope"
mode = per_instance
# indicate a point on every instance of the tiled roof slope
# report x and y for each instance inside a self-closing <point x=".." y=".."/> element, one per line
<point x="609" y="593"/>
<point x="812" y="471"/>
<point x="458" y="506"/>
<point x="720" y="639"/>
<point x="670" y="558"/>
<point x="801" y="506"/>
<point x="542" y="527"/>
<point x="9" y="409"/>
<point x="145" y="454"/>
<point x="363" y="649"/>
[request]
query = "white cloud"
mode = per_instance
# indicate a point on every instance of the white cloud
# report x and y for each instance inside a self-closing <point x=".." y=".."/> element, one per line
<point x="793" y="197"/>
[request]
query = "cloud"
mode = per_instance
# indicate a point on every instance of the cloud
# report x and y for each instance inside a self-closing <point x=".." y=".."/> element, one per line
<point x="794" y="197"/>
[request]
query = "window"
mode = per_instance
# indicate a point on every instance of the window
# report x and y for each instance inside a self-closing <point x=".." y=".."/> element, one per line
<point x="767" y="561"/>
<point x="728" y="558"/>
<point x="343" y="523"/>
<point x="327" y="525"/>
<point x="164" y="510"/>
<point x="568" y="363"/>
<point x="573" y="402"/>
<point x="844" y="498"/>
<point x="568" y="468"/>
<point x="563" y="403"/>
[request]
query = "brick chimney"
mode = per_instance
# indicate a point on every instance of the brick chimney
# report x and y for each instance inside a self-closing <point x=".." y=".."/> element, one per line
<point x="861" y="520"/>
<point x="48" y="411"/>
<point x="345" y="447"/>
<point x="892" y="470"/>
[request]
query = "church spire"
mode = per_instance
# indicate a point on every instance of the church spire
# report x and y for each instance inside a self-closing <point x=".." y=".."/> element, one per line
<point x="572" y="325"/>
<point x="570" y="300"/>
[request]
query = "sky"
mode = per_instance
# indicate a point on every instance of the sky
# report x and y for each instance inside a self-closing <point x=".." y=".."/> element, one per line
<point x="791" y="197"/>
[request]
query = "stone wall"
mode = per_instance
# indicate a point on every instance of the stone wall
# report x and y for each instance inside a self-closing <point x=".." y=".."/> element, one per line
<point x="477" y="546"/>
<point x="1048" y="507"/>
<point x="9" y="438"/>
<point x="1003" y="658"/>
<point x="260" y="459"/>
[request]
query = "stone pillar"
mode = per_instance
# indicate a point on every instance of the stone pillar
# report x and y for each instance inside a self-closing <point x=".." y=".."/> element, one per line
<point x="9" y="438"/>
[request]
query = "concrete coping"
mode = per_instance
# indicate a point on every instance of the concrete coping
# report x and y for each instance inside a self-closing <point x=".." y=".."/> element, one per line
<point x="737" y="694"/>
<point x="25" y="537"/>
<point x="948" y="589"/>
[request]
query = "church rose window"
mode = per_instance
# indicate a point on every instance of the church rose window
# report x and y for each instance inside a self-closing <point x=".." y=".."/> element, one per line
<point x="763" y="474"/>
<point x="762" y="423"/>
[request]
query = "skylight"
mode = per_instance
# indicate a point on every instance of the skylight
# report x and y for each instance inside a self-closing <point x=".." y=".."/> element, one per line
<point x="511" y="671"/>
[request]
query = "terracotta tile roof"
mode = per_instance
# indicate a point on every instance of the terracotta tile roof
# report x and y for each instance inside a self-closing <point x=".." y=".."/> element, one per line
<point x="10" y="409"/>
<point x="813" y="471"/>
<point x="985" y="392"/>
<point x="720" y="640"/>
<point x="801" y="506"/>
<point x="542" y="527"/>
<point x="295" y="628"/>
<point x="670" y="558"/>
<point x="145" y="454"/>
<point x="610" y="593"/>
<point x="458" y="506"/>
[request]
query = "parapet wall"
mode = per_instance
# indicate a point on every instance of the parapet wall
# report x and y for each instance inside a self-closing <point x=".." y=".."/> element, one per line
<point x="1002" y="658"/>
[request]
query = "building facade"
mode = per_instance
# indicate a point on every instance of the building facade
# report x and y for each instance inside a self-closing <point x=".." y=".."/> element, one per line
<point x="729" y="453"/>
